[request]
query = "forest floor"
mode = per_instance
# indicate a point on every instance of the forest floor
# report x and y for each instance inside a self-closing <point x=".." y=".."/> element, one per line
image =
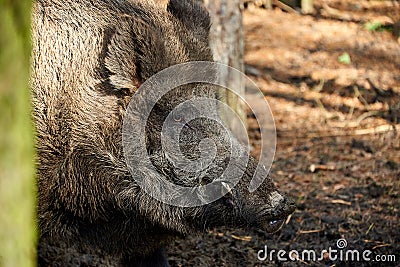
<point x="338" y="136"/>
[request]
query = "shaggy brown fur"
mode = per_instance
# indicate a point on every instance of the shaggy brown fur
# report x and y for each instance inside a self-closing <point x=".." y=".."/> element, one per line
<point x="89" y="58"/>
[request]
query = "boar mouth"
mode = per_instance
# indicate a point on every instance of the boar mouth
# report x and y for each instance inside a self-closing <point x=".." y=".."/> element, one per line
<point x="272" y="219"/>
<point x="273" y="226"/>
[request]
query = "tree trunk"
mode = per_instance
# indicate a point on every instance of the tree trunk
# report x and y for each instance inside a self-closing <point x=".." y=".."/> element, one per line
<point x="227" y="44"/>
<point x="17" y="190"/>
<point x="307" y="6"/>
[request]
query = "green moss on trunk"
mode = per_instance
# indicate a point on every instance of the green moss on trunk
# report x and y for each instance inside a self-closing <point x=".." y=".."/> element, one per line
<point x="17" y="187"/>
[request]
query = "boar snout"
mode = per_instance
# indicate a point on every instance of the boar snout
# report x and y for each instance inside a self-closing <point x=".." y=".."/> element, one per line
<point x="265" y="208"/>
<point x="268" y="214"/>
<point x="273" y="216"/>
<point x="239" y="208"/>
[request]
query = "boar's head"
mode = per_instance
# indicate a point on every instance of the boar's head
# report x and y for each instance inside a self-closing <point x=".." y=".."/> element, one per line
<point x="191" y="126"/>
<point x="183" y="140"/>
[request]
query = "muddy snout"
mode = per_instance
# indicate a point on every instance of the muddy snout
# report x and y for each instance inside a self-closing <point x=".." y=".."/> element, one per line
<point x="274" y="216"/>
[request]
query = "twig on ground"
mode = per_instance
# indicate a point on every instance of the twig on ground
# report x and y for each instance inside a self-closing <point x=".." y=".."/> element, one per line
<point x="359" y="96"/>
<point x="341" y="201"/>
<point x="242" y="238"/>
<point x="320" y="104"/>
<point x="373" y="130"/>
<point x="370" y="228"/>
<point x="288" y="219"/>
<point x="285" y="7"/>
<point x="310" y="231"/>
<point x="367" y="115"/>
<point x="381" y="246"/>
<point x="314" y="167"/>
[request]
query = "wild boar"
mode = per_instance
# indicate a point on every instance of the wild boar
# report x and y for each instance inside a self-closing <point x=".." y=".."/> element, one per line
<point x="89" y="58"/>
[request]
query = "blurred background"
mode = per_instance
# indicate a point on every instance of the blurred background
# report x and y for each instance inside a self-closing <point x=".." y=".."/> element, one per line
<point x="17" y="190"/>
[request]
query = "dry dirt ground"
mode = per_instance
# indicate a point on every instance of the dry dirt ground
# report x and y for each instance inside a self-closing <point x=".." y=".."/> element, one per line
<point x="338" y="128"/>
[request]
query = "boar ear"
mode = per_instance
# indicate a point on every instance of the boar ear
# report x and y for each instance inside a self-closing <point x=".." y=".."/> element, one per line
<point x="117" y="60"/>
<point x="132" y="53"/>
<point x="193" y="15"/>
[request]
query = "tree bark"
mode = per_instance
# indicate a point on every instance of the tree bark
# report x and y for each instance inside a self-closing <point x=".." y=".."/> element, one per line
<point x="17" y="190"/>
<point x="227" y="44"/>
<point x="307" y="6"/>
